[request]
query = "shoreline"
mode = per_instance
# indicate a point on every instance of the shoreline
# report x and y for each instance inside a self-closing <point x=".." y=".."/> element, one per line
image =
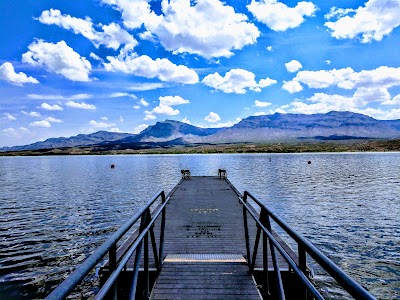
<point x="312" y="147"/>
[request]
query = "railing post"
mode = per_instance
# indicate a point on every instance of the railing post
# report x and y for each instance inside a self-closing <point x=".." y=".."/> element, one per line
<point x="256" y="243"/>
<point x="112" y="262"/>
<point x="278" y="278"/>
<point x="146" y="259"/>
<point x="267" y="293"/>
<point x="246" y="234"/>
<point x="303" y="264"/>
<point x="132" y="292"/>
<point x="162" y="230"/>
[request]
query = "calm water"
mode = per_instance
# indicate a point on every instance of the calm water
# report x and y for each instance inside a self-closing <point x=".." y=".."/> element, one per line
<point x="55" y="210"/>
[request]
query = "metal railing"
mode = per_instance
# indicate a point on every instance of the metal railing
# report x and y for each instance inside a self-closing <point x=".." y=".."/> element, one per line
<point x="109" y="247"/>
<point x="304" y="247"/>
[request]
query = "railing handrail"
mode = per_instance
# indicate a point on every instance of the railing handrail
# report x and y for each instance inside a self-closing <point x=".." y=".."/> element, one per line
<point x="62" y="291"/>
<point x="348" y="283"/>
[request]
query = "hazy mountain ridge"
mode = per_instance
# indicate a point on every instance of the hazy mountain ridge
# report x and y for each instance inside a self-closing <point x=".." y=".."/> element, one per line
<point x="277" y="127"/>
<point x="73" y="141"/>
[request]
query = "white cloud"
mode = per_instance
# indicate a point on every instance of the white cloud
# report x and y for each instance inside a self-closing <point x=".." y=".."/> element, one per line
<point x="292" y="86"/>
<point x="382" y="77"/>
<point x="134" y="13"/>
<point x="370" y="22"/>
<point x="96" y="124"/>
<point x="53" y="120"/>
<point x="144" y="102"/>
<point x="172" y="100"/>
<point x="260" y="113"/>
<point x="121" y="119"/>
<point x="147" y="86"/>
<point x="95" y="56"/>
<point x="32" y="114"/>
<point x="144" y="66"/>
<point x="293" y="66"/>
<point x="212" y="117"/>
<point x="147" y="35"/>
<point x="139" y="128"/>
<point x="186" y="120"/>
<point x="164" y="107"/>
<point x="394" y="101"/>
<point x="58" y="58"/>
<point x="50" y="107"/>
<point x="208" y="28"/>
<point x="328" y="62"/>
<point x="118" y="95"/>
<point x="8" y="74"/>
<point x="112" y="36"/>
<point x="17" y="133"/>
<point x="149" y="116"/>
<point x="81" y="105"/>
<point x="43" y="123"/>
<point x="261" y="104"/>
<point x="59" y="97"/>
<point x="115" y="129"/>
<point x="278" y="16"/>
<point x="104" y="118"/>
<point x="236" y="81"/>
<point x="9" y="117"/>
<point x="269" y="48"/>
<point x="358" y="102"/>
<point x="136" y="106"/>
<point x="227" y="124"/>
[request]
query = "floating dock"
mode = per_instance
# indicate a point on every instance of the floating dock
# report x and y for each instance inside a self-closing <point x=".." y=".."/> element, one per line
<point x="205" y="240"/>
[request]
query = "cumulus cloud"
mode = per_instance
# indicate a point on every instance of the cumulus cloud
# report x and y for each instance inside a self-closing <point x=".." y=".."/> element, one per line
<point x="15" y="133"/>
<point x="43" y="124"/>
<point x="370" y="22"/>
<point x="9" y="117"/>
<point x="8" y="74"/>
<point x="261" y="103"/>
<point x="208" y="28"/>
<point x="47" y="106"/>
<point x="139" y="128"/>
<point x="357" y="102"/>
<point x="32" y="114"/>
<point x="165" y="107"/>
<point x="236" y="81"/>
<point x="81" y="105"/>
<point x="293" y="66"/>
<point x="212" y="117"/>
<point x="292" y="86"/>
<point x="278" y="16"/>
<point x="96" y="124"/>
<point x="53" y="120"/>
<point x="347" y="78"/>
<point x="145" y="66"/>
<point x="112" y="36"/>
<point x="143" y="102"/>
<point x="186" y="120"/>
<point x="58" y="58"/>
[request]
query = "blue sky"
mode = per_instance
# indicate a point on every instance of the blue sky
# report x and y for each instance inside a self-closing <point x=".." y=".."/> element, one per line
<point x="71" y="67"/>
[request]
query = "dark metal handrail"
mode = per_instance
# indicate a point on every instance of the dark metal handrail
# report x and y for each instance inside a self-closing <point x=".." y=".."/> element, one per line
<point x="304" y="247"/>
<point x="109" y="246"/>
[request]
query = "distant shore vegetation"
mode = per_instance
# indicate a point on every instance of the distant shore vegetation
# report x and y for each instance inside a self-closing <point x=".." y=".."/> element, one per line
<point x="343" y="146"/>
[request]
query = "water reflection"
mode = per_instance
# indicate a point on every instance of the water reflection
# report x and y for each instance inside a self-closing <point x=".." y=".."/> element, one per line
<point x="55" y="210"/>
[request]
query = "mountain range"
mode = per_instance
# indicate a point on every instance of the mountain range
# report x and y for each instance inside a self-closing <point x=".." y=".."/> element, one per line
<point x="277" y="127"/>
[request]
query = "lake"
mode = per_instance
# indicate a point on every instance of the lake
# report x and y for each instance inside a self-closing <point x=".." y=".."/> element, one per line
<point x="54" y="210"/>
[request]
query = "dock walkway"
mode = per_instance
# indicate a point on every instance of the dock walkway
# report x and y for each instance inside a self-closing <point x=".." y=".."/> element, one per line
<point x="204" y="244"/>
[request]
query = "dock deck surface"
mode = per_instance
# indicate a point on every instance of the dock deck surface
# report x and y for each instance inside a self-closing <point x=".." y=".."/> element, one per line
<point x="204" y="245"/>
